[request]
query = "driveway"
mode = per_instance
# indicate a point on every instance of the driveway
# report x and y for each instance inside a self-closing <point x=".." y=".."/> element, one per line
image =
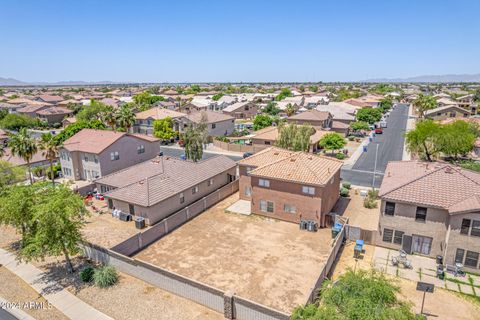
<point x="390" y="148"/>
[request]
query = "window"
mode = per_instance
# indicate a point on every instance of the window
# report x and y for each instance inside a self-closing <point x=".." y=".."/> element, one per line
<point x="248" y="170"/>
<point x="389" y="208"/>
<point x="140" y="149"/>
<point x="308" y="190"/>
<point x="210" y="182"/>
<point x="397" y="238"/>
<point x="459" y="255"/>
<point x="465" y="226"/>
<point x="194" y="190"/>
<point x="214" y="125"/>
<point x="267" y="143"/>
<point x="114" y="156"/>
<point x="289" y="208"/>
<point x="475" y="228"/>
<point x="387" y="235"/>
<point x="421" y="214"/>
<point x="86" y="158"/>
<point x="182" y="198"/>
<point x="453" y="114"/>
<point x="264" y="183"/>
<point x="471" y="259"/>
<point x="266" y="206"/>
<point x="95" y="158"/>
<point x="248" y="191"/>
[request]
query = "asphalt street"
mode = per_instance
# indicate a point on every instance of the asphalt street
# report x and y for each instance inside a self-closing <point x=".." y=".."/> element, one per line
<point x="390" y="148"/>
<point x="5" y="315"/>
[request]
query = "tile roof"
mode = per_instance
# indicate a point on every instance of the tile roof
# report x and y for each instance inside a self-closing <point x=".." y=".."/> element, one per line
<point x="265" y="157"/>
<point x="54" y="110"/>
<point x="153" y="181"/>
<point x="439" y="185"/>
<point x="18" y="161"/>
<point x="158" y="113"/>
<point x="300" y="167"/>
<point x="235" y="106"/>
<point x="311" y="115"/>
<point x="92" y="141"/>
<point x="50" y="98"/>
<point x="34" y="108"/>
<point x="444" y="108"/>
<point x="212" y="116"/>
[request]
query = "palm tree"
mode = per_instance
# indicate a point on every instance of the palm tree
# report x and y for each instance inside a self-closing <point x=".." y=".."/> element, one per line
<point x="125" y="117"/>
<point x="110" y="118"/>
<point x="49" y="146"/>
<point x="289" y="110"/>
<point x="424" y="103"/>
<point x="23" y="145"/>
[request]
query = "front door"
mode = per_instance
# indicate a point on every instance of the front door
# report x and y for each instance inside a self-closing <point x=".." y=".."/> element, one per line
<point x="407" y="244"/>
<point x="421" y="244"/>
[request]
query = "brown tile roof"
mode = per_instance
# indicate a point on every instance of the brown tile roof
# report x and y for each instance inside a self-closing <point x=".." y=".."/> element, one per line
<point x="155" y="180"/>
<point x="54" y="110"/>
<point x="212" y="116"/>
<point x="18" y="161"/>
<point x="95" y="141"/>
<point x="158" y="113"/>
<point x="300" y="167"/>
<point x="265" y="157"/>
<point x="50" y="98"/>
<point x="271" y="133"/>
<point x="439" y="185"/>
<point x="34" y="108"/>
<point x="92" y="141"/>
<point x="312" y="115"/>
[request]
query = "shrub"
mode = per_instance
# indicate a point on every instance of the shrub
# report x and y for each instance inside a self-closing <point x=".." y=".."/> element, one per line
<point x="370" y="201"/>
<point x="105" y="276"/>
<point x="347" y="185"/>
<point x="340" y="156"/>
<point x="87" y="274"/>
<point x="344" y="192"/>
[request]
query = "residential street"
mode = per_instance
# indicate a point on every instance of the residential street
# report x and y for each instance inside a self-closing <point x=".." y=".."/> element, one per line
<point x="390" y="148"/>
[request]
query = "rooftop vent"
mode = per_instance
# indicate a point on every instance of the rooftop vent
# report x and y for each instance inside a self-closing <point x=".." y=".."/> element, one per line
<point x="448" y="170"/>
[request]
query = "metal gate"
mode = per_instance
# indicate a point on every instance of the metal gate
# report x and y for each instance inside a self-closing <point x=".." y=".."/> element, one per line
<point x="353" y="233"/>
<point x="407" y="244"/>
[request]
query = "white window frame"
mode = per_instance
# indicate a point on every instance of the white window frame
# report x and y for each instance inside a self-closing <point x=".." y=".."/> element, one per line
<point x="308" y="190"/>
<point x="264" y="183"/>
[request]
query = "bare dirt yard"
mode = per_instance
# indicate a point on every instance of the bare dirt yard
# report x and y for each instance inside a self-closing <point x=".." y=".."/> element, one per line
<point x="358" y="216"/>
<point x="442" y="304"/>
<point x="268" y="261"/>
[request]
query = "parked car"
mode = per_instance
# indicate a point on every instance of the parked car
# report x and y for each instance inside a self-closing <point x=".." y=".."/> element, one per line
<point x="378" y="131"/>
<point x="247" y="154"/>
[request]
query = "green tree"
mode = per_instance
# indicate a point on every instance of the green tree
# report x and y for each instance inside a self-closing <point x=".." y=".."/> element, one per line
<point x="457" y="139"/>
<point x="3" y="113"/>
<point x="425" y="140"/>
<point x="332" y="141"/>
<point x="293" y="137"/>
<point x="359" y="125"/>
<point x="163" y="129"/>
<point x="109" y="116"/>
<point x="369" y="115"/>
<point x="386" y="104"/>
<point x="217" y="96"/>
<point x="289" y="110"/>
<point x="95" y="110"/>
<point x="9" y="175"/>
<point x="194" y="138"/>
<point x="424" y="103"/>
<point x="262" y="121"/>
<point x="73" y="128"/>
<point x="13" y="121"/>
<point x="59" y="216"/>
<point x="313" y="88"/>
<point x="23" y="145"/>
<point x="271" y="109"/>
<point x="285" y="92"/>
<point x="125" y="117"/>
<point x="49" y="146"/>
<point x="17" y="208"/>
<point x="357" y="295"/>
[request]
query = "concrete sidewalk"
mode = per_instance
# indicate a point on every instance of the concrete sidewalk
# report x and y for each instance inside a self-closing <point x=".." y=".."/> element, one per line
<point x="60" y="298"/>
<point x="412" y="119"/>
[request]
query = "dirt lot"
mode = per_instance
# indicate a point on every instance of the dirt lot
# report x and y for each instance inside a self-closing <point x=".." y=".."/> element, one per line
<point x="15" y="290"/>
<point x="264" y="260"/>
<point x="437" y="305"/>
<point x="104" y="230"/>
<point x="358" y="216"/>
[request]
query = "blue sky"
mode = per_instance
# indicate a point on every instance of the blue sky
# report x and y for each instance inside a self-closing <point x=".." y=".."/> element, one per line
<point x="201" y="41"/>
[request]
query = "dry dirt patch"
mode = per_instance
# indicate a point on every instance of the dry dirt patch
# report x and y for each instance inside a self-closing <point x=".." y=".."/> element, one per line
<point x="268" y="261"/>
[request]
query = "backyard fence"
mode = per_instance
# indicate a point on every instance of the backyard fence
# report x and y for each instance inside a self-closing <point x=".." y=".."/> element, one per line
<point x="237" y="147"/>
<point x="337" y="244"/>
<point x="226" y="303"/>
<point x="141" y="240"/>
<point x="356" y="233"/>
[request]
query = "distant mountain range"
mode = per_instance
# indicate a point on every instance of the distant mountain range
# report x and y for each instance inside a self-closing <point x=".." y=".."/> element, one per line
<point x="15" y="82"/>
<point x="427" y="78"/>
<point x="433" y="78"/>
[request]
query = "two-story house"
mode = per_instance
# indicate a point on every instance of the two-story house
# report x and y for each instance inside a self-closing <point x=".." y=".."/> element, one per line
<point x="145" y="119"/>
<point x="431" y="209"/>
<point x="157" y="188"/>
<point x="290" y="186"/>
<point x="241" y="110"/>
<point x="91" y="154"/>
<point x="315" y="118"/>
